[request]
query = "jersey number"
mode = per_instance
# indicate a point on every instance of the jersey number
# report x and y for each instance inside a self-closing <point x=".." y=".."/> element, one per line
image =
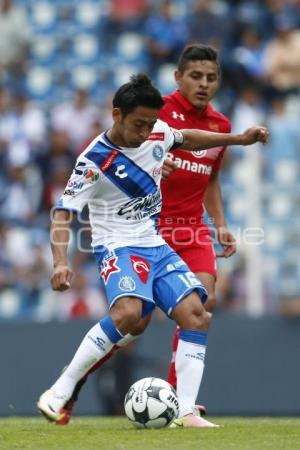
<point x="189" y="279"/>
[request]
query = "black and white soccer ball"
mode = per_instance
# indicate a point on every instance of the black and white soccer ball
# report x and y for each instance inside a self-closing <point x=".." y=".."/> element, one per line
<point x="151" y="403"/>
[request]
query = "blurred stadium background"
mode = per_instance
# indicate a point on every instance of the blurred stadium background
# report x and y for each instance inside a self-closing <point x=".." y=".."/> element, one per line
<point x="60" y="62"/>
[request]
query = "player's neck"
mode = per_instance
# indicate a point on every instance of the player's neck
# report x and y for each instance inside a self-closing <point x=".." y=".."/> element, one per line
<point x="201" y="109"/>
<point x="115" y="137"/>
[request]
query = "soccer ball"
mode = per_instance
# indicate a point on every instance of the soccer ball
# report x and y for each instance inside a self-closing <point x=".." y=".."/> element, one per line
<point x="151" y="403"/>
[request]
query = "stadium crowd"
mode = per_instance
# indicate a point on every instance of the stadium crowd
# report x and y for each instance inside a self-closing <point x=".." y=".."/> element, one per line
<point x="59" y="64"/>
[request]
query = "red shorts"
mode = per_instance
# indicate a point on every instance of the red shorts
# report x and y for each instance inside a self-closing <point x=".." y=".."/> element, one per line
<point x="196" y="249"/>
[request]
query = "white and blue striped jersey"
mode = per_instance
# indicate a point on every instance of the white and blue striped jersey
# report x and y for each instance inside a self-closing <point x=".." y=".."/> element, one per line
<point x="121" y="187"/>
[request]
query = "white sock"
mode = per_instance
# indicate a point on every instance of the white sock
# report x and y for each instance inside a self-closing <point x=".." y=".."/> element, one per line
<point x="189" y="363"/>
<point x="94" y="346"/>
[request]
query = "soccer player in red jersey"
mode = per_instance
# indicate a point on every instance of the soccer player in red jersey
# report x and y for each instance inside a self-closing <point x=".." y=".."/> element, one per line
<point x="195" y="184"/>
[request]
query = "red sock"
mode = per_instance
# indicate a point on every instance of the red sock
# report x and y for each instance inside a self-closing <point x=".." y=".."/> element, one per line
<point x="172" y="378"/>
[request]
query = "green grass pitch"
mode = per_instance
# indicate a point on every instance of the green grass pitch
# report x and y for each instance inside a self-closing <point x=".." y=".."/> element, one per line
<point x="116" y="433"/>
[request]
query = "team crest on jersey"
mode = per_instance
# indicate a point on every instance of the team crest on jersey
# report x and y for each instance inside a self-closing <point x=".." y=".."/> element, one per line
<point x="199" y="153"/>
<point x="91" y="175"/>
<point x="127" y="284"/>
<point x="109" y="266"/>
<point x="158" y="152"/>
<point x="141" y="266"/>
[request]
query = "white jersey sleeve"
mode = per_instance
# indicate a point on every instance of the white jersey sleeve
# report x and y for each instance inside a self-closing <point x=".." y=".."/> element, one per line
<point x="81" y="187"/>
<point x="169" y="138"/>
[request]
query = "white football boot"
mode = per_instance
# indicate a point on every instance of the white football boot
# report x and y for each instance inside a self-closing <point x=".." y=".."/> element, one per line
<point x="51" y="404"/>
<point x="192" y="421"/>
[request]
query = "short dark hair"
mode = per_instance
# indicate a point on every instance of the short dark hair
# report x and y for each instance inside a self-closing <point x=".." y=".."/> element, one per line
<point x="140" y="91"/>
<point x="196" y="52"/>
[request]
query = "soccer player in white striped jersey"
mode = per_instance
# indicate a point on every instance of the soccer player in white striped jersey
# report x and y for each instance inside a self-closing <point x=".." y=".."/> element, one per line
<point x="118" y="176"/>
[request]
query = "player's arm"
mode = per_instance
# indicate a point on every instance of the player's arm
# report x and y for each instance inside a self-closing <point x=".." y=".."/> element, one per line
<point x="80" y="189"/>
<point x="60" y="233"/>
<point x="199" y="139"/>
<point x="214" y="206"/>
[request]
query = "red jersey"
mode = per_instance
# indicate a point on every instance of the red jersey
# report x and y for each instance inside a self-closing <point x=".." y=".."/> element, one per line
<point x="183" y="193"/>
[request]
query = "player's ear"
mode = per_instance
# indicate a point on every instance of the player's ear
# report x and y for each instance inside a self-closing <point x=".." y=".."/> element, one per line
<point x="117" y="115"/>
<point x="178" y="76"/>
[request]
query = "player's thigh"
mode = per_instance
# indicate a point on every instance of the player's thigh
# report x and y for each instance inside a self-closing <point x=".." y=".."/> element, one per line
<point x="125" y="273"/>
<point x="209" y="282"/>
<point x="173" y="282"/>
<point x="201" y="259"/>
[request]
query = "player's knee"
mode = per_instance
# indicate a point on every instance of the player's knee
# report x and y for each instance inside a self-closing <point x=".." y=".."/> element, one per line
<point x="140" y="327"/>
<point x="199" y="320"/>
<point x="126" y="313"/>
<point x="193" y="316"/>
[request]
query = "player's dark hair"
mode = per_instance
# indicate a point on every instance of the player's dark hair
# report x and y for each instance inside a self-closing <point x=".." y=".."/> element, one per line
<point x="197" y="52"/>
<point x="140" y="91"/>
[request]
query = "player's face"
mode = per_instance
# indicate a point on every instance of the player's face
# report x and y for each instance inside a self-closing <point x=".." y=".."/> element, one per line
<point x="199" y="82"/>
<point x="136" y="126"/>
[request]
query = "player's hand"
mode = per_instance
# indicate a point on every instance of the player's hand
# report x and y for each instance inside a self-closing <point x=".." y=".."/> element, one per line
<point x="61" y="278"/>
<point x="255" y="134"/>
<point x="227" y="241"/>
<point x="168" y="168"/>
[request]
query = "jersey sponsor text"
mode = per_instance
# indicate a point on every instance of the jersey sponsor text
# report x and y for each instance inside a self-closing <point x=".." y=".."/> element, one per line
<point x="192" y="166"/>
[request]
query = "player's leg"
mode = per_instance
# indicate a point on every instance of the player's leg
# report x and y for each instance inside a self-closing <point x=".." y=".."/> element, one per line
<point x="96" y="344"/>
<point x="136" y="331"/>
<point x="208" y="280"/>
<point x="201" y="259"/>
<point x="172" y="378"/>
<point x="178" y="292"/>
<point x="193" y="321"/>
<point x="130" y="299"/>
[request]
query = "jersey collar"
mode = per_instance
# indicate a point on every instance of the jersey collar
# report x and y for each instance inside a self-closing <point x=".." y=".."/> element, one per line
<point x="188" y="106"/>
<point x="108" y="141"/>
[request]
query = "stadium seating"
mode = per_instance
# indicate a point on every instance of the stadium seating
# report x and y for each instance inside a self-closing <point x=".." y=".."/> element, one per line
<point x="165" y="78"/>
<point x="43" y="16"/>
<point x="84" y="77"/>
<point x="68" y="52"/>
<point x="39" y="82"/>
<point x="87" y="14"/>
<point x="85" y="47"/>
